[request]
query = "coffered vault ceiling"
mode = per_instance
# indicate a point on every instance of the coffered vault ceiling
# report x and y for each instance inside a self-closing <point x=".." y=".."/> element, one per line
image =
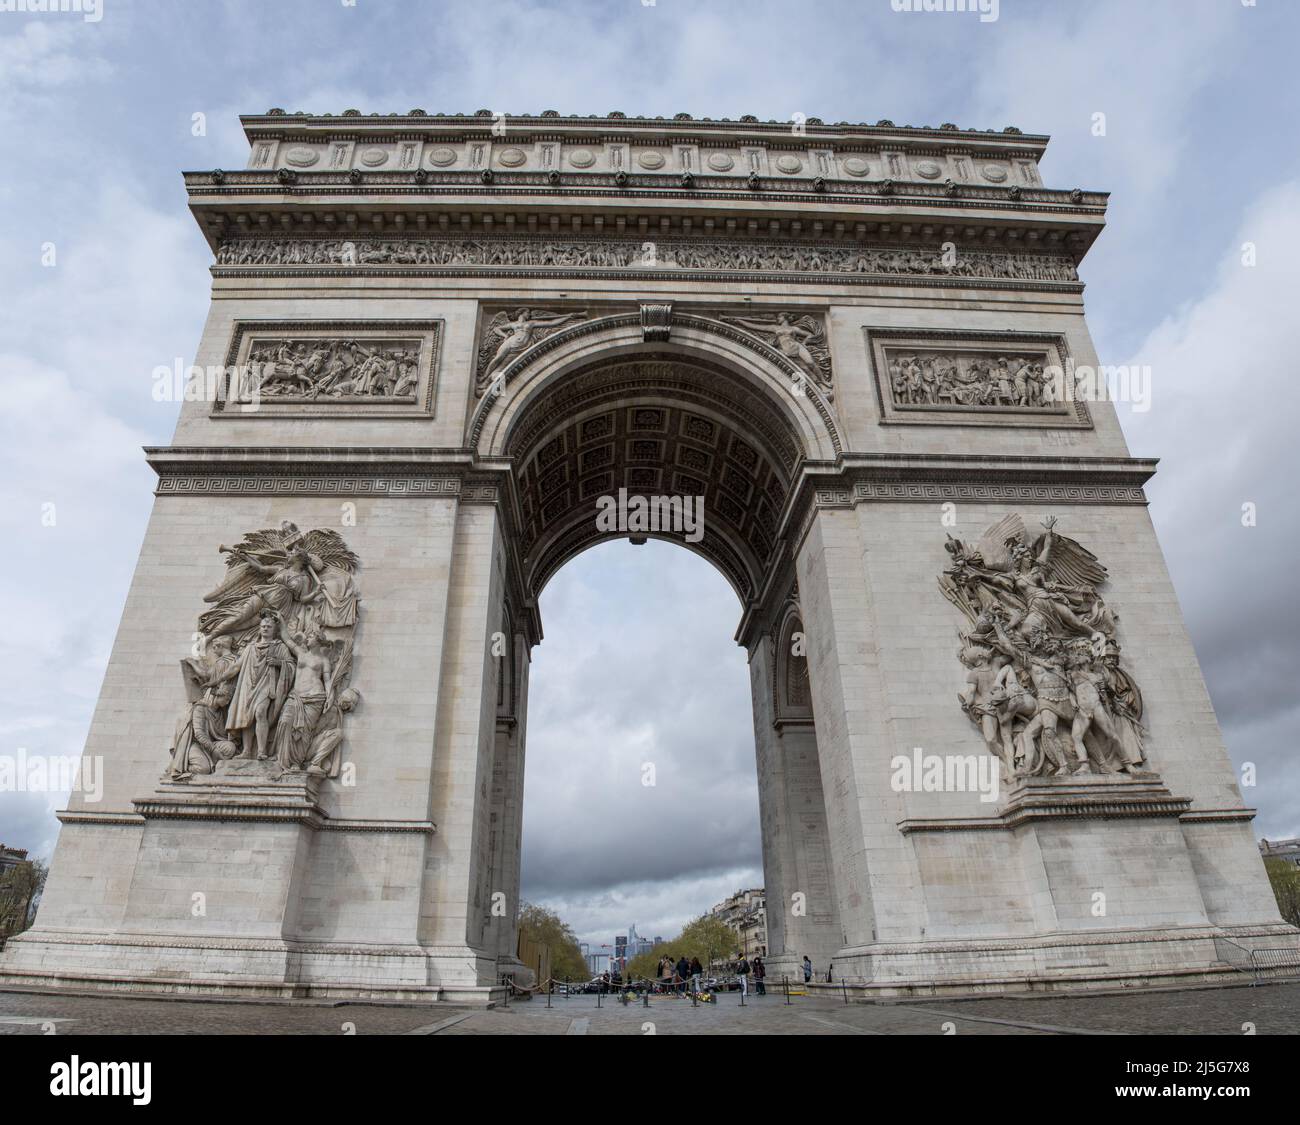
<point x="658" y="425"/>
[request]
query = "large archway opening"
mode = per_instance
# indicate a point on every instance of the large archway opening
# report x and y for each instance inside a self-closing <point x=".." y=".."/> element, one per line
<point x="653" y="783"/>
<point x="641" y="806"/>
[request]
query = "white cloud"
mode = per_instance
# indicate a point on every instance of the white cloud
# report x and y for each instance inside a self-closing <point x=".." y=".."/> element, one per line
<point x="44" y="53"/>
<point x="1224" y="411"/>
<point x="639" y="668"/>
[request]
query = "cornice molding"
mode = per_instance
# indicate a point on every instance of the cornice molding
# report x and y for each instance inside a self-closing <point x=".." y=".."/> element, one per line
<point x="304" y="182"/>
<point x="298" y="123"/>
<point x="1109" y="798"/>
<point x="85" y="816"/>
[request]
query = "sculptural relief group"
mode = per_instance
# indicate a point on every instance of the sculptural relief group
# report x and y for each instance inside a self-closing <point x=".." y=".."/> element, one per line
<point x="333" y="369"/>
<point x="1044" y="686"/>
<point x="268" y="689"/>
<point x="961" y="379"/>
<point x="738" y="256"/>
<point x="509" y="333"/>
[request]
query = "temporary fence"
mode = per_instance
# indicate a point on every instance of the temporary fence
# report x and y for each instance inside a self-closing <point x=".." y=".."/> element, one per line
<point x="644" y="989"/>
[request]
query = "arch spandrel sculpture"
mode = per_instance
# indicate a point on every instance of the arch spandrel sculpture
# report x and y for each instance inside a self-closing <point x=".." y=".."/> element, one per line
<point x="847" y="360"/>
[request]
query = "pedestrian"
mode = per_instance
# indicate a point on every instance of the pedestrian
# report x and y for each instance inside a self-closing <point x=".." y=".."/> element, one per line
<point x="683" y="972"/>
<point x="807" y="970"/>
<point x="760" y="974"/>
<point x="697" y="971"/>
<point x="830" y="973"/>
<point x="742" y="975"/>
<point x="666" y="972"/>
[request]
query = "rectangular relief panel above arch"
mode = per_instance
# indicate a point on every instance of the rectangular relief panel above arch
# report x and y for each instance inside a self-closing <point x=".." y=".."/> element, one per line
<point x="336" y="369"/>
<point x="930" y="377"/>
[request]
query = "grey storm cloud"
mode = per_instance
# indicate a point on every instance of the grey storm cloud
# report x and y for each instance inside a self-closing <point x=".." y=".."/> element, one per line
<point x="640" y="760"/>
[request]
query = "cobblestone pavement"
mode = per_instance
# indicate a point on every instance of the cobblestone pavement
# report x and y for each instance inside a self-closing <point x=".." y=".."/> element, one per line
<point x="1272" y="1009"/>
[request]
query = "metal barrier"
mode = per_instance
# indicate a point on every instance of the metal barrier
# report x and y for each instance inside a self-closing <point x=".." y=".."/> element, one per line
<point x="1276" y="962"/>
<point x="1237" y="956"/>
<point x="645" y="989"/>
<point x="1271" y="961"/>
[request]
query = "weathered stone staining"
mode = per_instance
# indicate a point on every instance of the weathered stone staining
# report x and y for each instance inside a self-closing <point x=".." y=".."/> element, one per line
<point x="451" y="351"/>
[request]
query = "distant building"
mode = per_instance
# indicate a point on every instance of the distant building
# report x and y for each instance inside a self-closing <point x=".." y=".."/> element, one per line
<point x="636" y="944"/>
<point x="1288" y="850"/>
<point x="597" y="963"/>
<point x="745" y="912"/>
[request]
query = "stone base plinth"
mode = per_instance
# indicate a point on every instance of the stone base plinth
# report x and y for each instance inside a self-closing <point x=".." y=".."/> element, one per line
<point x="161" y="964"/>
<point x="1065" y="962"/>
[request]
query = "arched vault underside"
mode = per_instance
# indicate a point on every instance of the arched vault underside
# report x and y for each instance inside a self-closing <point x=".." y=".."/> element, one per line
<point x="657" y="423"/>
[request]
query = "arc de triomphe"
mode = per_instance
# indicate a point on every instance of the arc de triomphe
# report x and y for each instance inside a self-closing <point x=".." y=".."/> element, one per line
<point x="440" y="351"/>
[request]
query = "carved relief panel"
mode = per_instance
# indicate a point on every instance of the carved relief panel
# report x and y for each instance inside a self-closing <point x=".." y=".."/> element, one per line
<point x="268" y="684"/>
<point x="1045" y="684"/>
<point x="357" y="368"/>
<point x="974" y="378"/>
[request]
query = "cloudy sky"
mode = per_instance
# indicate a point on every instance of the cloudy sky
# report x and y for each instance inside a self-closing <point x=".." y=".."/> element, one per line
<point x="105" y="278"/>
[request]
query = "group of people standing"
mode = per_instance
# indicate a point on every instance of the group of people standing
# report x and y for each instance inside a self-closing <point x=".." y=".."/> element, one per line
<point x="681" y="973"/>
<point x="685" y="975"/>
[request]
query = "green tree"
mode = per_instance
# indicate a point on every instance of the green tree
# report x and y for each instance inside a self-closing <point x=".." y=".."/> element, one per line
<point x="645" y="966"/>
<point x="1285" y="878"/>
<point x="40" y="871"/>
<point x="17" y="889"/>
<point x="706" y="937"/>
<point x="545" y="927"/>
<point x="711" y="940"/>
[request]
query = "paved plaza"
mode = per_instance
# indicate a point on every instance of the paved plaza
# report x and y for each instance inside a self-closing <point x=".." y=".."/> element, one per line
<point x="1272" y="1009"/>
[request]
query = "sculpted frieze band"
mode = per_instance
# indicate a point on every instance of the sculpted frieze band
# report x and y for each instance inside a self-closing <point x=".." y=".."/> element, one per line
<point x="1045" y="685"/>
<point x="268" y="688"/>
<point x="737" y="256"/>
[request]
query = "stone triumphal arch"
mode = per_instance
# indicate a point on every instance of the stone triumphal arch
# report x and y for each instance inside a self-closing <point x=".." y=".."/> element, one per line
<point x="442" y="346"/>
